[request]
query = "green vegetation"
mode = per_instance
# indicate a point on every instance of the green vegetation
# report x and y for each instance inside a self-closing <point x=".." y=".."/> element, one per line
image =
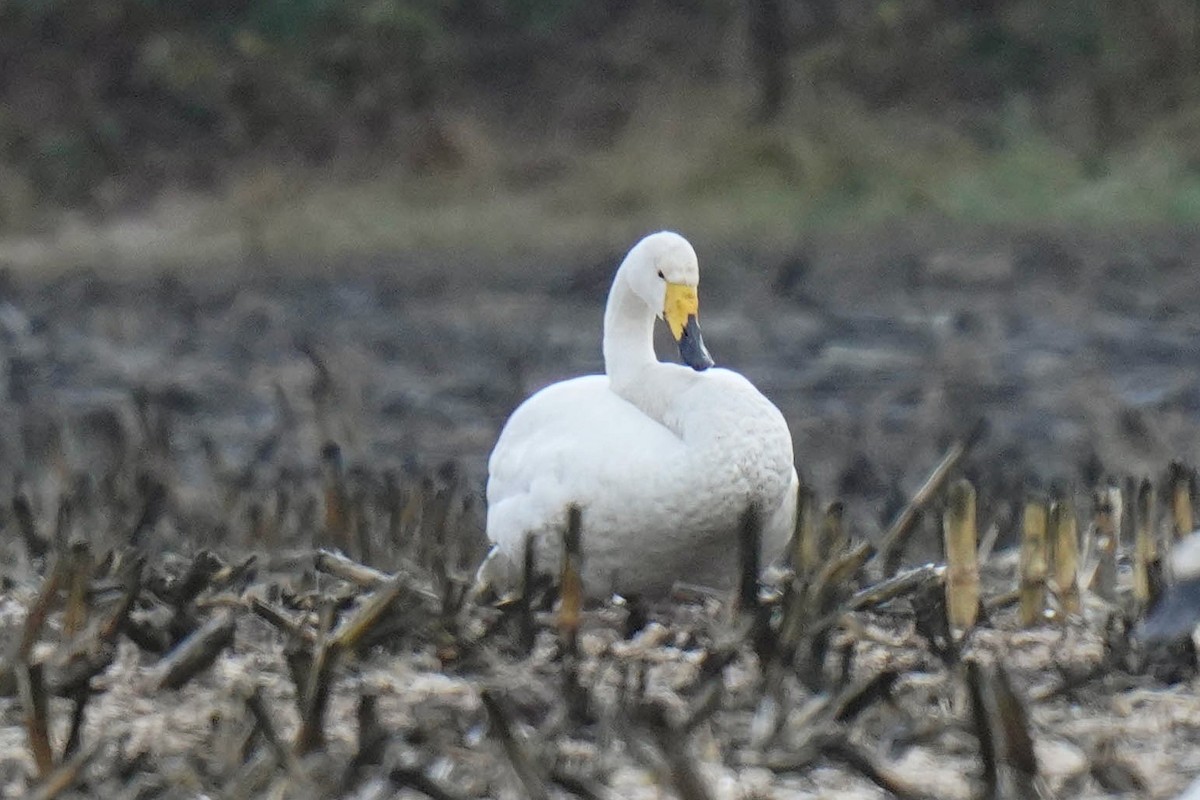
<point x="402" y="124"/>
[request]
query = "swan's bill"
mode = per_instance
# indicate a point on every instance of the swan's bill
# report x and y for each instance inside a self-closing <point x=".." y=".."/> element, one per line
<point x="680" y="304"/>
<point x="691" y="347"/>
<point x="680" y="307"/>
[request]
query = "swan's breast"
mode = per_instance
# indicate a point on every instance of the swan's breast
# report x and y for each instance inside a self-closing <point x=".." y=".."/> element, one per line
<point x="743" y="435"/>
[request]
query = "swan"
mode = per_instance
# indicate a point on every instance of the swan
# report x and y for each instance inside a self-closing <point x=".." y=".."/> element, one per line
<point x="662" y="459"/>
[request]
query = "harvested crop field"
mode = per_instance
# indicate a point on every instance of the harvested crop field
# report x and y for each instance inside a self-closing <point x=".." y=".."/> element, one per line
<point x="182" y="455"/>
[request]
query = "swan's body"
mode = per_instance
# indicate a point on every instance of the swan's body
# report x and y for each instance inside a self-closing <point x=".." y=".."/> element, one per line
<point x="662" y="460"/>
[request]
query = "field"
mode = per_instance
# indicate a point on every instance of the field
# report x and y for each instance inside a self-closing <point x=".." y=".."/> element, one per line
<point x="181" y="444"/>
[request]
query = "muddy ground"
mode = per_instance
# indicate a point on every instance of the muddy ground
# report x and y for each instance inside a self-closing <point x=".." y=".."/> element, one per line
<point x="190" y="411"/>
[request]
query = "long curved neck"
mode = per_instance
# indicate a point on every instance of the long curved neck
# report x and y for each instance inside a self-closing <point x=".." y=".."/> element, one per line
<point x="628" y="335"/>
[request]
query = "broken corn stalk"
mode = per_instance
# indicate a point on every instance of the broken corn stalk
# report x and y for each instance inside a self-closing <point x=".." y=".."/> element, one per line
<point x="1064" y="535"/>
<point x="962" y="564"/>
<point x="1182" y="481"/>
<point x="1145" y="550"/>
<point x="1033" y="563"/>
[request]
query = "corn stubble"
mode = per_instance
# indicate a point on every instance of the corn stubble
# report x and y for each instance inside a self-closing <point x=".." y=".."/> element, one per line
<point x="1034" y="562"/>
<point x="1145" y="543"/>
<point x="962" y="566"/>
<point x="1107" y="504"/>
<point x="1181" y="480"/>
<point x="810" y="638"/>
<point x="1064" y="537"/>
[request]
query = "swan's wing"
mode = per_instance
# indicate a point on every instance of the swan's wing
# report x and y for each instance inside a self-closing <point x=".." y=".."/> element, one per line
<point x="569" y="441"/>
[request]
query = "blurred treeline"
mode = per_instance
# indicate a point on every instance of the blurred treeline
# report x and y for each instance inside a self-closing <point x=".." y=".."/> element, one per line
<point x="104" y="103"/>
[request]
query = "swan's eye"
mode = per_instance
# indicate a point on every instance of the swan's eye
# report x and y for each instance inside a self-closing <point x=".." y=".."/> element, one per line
<point x="660" y="274"/>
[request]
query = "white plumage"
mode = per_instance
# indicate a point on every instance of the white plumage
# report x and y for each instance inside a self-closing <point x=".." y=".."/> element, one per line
<point x="662" y="459"/>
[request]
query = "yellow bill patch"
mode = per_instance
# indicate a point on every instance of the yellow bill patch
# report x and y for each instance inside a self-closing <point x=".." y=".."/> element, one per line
<point x="681" y="302"/>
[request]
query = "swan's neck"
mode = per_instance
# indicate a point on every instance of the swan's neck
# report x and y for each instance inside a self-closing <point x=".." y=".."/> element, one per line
<point x="628" y="336"/>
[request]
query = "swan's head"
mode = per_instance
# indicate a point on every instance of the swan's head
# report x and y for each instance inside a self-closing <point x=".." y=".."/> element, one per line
<point x="664" y="272"/>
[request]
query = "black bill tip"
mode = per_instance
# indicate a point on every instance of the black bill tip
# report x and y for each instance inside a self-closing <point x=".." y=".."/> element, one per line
<point x="691" y="347"/>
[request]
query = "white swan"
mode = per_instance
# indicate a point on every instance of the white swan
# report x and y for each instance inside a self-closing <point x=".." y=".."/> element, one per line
<point x="661" y="459"/>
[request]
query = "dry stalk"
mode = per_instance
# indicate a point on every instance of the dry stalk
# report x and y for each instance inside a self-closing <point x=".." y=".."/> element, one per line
<point x="892" y="546"/>
<point x="32" y="689"/>
<point x="931" y="623"/>
<point x="81" y="695"/>
<point x="349" y="570"/>
<point x="835" y="575"/>
<point x="842" y="569"/>
<point x="196" y="578"/>
<point x="94" y="652"/>
<point x="351" y="633"/>
<point x="857" y="697"/>
<point x="708" y="688"/>
<point x="75" y="670"/>
<point x="998" y="602"/>
<point x="372" y="737"/>
<point x="749" y="542"/>
<point x="867" y="764"/>
<point x="834" y="539"/>
<point x="795" y="618"/>
<point x="417" y="780"/>
<point x="197" y="652"/>
<point x="1145" y="549"/>
<point x="435" y="520"/>
<point x="819" y="599"/>
<point x="570" y="610"/>
<point x="684" y="772"/>
<point x="749" y="606"/>
<point x="1012" y="724"/>
<point x="1182" y="482"/>
<point x="62" y="779"/>
<point x="909" y="582"/>
<point x="412" y="514"/>
<point x="362" y="526"/>
<point x="282" y="622"/>
<point x="981" y="721"/>
<point x="313" y="692"/>
<point x="1033" y="564"/>
<point x="79" y="576"/>
<point x="270" y="733"/>
<point x="962" y="566"/>
<point x="133" y="589"/>
<point x="62" y="526"/>
<point x="579" y="786"/>
<point x="35" y="545"/>
<point x="1107" y="513"/>
<point x="528" y="772"/>
<point x="1064" y="536"/>
<point x="526" y="622"/>
<point x="805" y="549"/>
<point x="1001" y="723"/>
<point x="338" y="525"/>
<point x="39" y="610"/>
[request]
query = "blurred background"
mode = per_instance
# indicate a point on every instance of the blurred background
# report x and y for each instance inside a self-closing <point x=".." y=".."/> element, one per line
<point x="233" y="232"/>
<point x="303" y="128"/>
